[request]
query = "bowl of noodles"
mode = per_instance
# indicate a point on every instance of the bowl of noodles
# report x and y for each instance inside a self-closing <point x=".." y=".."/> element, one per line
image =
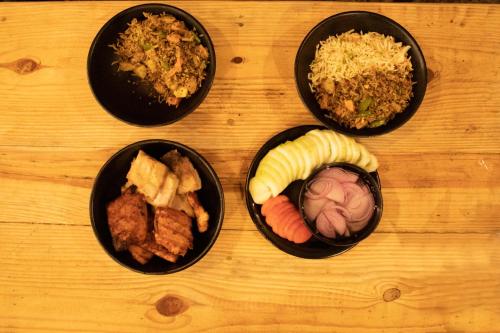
<point x="360" y="73"/>
<point x="151" y="65"/>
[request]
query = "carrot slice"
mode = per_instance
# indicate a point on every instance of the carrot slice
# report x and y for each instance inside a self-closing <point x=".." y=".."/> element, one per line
<point x="290" y="229"/>
<point x="269" y="204"/>
<point x="282" y="225"/>
<point x="301" y="235"/>
<point x="280" y="209"/>
<point x="276" y="216"/>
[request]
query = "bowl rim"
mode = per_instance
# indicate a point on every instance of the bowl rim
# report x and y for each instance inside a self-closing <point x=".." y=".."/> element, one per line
<point x="379" y="207"/>
<point x="418" y="51"/>
<point x="212" y="172"/>
<point x="209" y="79"/>
<point x="249" y="200"/>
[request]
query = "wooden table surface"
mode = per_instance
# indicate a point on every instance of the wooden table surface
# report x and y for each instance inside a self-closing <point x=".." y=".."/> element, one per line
<point x="433" y="265"/>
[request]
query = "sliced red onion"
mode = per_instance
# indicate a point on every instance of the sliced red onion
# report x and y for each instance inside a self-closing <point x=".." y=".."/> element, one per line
<point x="324" y="226"/>
<point x="339" y="202"/>
<point x="312" y="207"/>
<point x="339" y="174"/>
<point x="318" y="189"/>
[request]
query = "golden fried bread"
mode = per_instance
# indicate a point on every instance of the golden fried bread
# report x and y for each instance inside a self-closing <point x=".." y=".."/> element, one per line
<point x="202" y="216"/>
<point x="153" y="179"/>
<point x="189" y="179"/>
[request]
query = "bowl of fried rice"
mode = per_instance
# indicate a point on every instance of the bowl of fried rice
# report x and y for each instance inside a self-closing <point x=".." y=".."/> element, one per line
<point x="151" y="65"/>
<point x="360" y="73"/>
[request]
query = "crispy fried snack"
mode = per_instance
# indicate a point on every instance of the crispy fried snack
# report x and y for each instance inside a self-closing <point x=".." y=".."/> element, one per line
<point x="151" y="246"/>
<point x="189" y="180"/>
<point x="140" y="254"/>
<point x="128" y="219"/>
<point x="173" y="230"/>
<point x="202" y="216"/>
<point x="153" y="179"/>
<point x="181" y="203"/>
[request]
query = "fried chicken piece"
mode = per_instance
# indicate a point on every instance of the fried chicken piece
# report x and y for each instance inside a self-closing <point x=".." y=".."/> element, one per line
<point x="153" y="179"/>
<point x="202" y="216"/>
<point x="173" y="230"/>
<point x="140" y="254"/>
<point x="189" y="179"/>
<point x="181" y="203"/>
<point x="159" y="250"/>
<point x="128" y="219"/>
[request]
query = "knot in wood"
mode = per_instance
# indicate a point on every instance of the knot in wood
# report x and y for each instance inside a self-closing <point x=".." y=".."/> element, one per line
<point x="391" y="294"/>
<point x="237" y="60"/>
<point x="171" y="305"/>
<point x="25" y="66"/>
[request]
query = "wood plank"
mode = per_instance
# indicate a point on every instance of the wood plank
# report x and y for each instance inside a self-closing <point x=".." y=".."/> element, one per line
<point x="253" y="94"/>
<point x="395" y="282"/>
<point x="428" y="194"/>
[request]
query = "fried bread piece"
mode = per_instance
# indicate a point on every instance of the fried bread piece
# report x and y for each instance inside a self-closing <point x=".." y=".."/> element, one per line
<point x="189" y="179"/>
<point x="202" y="216"/>
<point x="153" y="179"/>
<point x="128" y="219"/>
<point x="172" y="230"/>
<point x="140" y="254"/>
<point x="180" y="203"/>
<point x="159" y="250"/>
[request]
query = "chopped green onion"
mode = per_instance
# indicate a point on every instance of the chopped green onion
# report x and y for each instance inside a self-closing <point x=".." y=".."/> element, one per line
<point x="146" y="46"/>
<point x="365" y="104"/>
<point x="377" y="123"/>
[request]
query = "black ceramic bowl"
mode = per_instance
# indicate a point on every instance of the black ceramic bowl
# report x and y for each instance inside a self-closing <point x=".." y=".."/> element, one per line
<point x="366" y="22"/>
<point x="121" y="93"/>
<point x="371" y="180"/>
<point x="313" y="248"/>
<point x="107" y="186"/>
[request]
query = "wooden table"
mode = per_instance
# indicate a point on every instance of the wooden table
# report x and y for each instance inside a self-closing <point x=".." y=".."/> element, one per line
<point x="433" y="264"/>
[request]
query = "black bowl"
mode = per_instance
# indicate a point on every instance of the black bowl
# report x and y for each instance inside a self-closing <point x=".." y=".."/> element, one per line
<point x="121" y="93"/>
<point x="371" y="180"/>
<point x="366" y="22"/>
<point x="313" y="248"/>
<point x="107" y="186"/>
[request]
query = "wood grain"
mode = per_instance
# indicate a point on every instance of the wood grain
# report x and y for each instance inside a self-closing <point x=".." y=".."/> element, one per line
<point x="465" y="71"/>
<point x="227" y="291"/>
<point x="433" y="264"/>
